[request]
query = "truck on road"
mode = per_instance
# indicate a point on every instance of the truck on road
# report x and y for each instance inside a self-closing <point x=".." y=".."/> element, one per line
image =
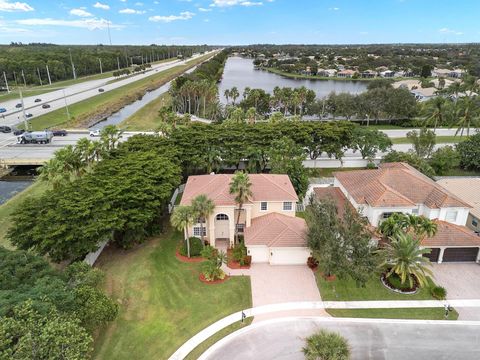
<point x="35" y="137"/>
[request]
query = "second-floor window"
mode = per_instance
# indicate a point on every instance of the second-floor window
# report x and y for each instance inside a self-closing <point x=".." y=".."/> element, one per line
<point x="451" y="216"/>
<point x="287" y="206"/>
<point x="264" y="206"/>
<point x="240" y="228"/>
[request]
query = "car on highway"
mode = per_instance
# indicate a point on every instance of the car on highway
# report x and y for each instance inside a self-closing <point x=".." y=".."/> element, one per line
<point x="17" y="132"/>
<point x="2" y="110"/>
<point x="95" y="132"/>
<point x="38" y="100"/>
<point x="5" y="129"/>
<point x="59" y="132"/>
<point x="45" y="106"/>
<point x="18" y="106"/>
<point x="28" y="115"/>
<point x="101" y="90"/>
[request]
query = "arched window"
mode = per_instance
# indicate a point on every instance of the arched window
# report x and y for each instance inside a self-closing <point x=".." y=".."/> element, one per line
<point x="222" y="217"/>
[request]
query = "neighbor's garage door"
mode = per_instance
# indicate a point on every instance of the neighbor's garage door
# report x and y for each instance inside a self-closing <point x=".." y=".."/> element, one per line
<point x="433" y="256"/>
<point x="289" y="255"/>
<point x="460" y="254"/>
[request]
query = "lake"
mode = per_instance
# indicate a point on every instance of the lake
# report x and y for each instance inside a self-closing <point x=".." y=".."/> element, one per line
<point x="240" y="72"/>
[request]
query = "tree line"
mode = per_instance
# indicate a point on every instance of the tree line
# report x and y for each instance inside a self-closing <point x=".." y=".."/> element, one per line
<point x="27" y="64"/>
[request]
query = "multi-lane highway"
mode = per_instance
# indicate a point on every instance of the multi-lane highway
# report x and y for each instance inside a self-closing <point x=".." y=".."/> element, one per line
<point x="74" y="93"/>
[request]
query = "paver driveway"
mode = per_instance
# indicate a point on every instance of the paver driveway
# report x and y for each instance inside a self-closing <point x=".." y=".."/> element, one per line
<point x="462" y="281"/>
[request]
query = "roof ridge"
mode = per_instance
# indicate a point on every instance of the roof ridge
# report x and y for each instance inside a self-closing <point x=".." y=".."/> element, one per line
<point x="279" y="218"/>
<point x="398" y="193"/>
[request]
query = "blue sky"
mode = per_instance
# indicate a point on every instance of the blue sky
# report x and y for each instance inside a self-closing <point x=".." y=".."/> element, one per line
<point x="239" y="21"/>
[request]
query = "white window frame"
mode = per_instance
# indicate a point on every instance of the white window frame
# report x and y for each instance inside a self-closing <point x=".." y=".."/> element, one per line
<point x="448" y="217"/>
<point x="287" y="203"/>
<point x="197" y="231"/>
<point x="266" y="206"/>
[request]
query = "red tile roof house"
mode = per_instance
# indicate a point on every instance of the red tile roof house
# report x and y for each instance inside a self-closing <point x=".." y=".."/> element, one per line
<point x="271" y="231"/>
<point x="398" y="187"/>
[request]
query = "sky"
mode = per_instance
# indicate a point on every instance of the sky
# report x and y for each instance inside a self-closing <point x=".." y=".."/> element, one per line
<point x="239" y="22"/>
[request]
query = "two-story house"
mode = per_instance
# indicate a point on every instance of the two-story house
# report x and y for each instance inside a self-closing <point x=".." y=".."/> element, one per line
<point x="398" y="187"/>
<point x="267" y="220"/>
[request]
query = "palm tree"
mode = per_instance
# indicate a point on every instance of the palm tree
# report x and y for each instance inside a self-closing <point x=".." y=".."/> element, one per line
<point x="251" y="115"/>
<point x="181" y="219"/>
<point x="404" y="257"/>
<point x="234" y="94"/>
<point x="424" y="227"/>
<point x="52" y="173"/>
<point x="467" y="115"/>
<point x="226" y="93"/>
<point x="240" y="186"/>
<point x="110" y="136"/>
<point x="437" y="112"/>
<point x="203" y="207"/>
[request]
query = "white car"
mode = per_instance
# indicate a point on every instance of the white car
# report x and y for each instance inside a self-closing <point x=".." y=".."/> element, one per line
<point x="95" y="132"/>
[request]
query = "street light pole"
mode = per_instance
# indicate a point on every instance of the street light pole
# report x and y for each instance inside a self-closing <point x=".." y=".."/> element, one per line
<point x="66" y="105"/>
<point x="48" y="74"/>
<point x="73" y="66"/>
<point x="39" y="77"/>
<point x="23" y="111"/>
<point x="6" y="82"/>
<point x="100" y="61"/>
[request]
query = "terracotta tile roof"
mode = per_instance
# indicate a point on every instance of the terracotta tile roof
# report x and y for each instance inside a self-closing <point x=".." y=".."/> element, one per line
<point x="276" y="230"/>
<point x="452" y="235"/>
<point x="467" y="189"/>
<point x="265" y="187"/>
<point x="396" y="185"/>
<point x="335" y="194"/>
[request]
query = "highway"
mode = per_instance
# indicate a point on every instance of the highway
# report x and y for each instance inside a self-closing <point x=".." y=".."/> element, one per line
<point x="75" y="93"/>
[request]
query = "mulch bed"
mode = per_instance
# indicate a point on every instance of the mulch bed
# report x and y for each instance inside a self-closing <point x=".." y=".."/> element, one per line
<point x="186" y="259"/>
<point x="219" y="281"/>
<point x="234" y="265"/>
<point x="406" y="291"/>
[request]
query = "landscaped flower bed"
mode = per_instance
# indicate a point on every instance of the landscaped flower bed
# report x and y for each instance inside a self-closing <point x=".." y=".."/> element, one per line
<point x="234" y="264"/>
<point x="186" y="259"/>
<point x="217" y="281"/>
<point x="393" y="283"/>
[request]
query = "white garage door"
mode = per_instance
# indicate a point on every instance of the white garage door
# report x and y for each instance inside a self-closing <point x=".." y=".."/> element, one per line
<point x="259" y="253"/>
<point x="289" y="255"/>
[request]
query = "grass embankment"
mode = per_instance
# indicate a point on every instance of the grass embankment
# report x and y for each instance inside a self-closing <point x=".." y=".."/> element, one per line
<point x="439" y="139"/>
<point x="162" y="301"/>
<point x="101" y="106"/>
<point x="147" y="117"/>
<point x="9" y="207"/>
<point x="347" y="290"/>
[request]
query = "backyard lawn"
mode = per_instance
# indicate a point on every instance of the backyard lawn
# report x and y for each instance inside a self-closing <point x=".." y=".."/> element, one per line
<point x="162" y="302"/>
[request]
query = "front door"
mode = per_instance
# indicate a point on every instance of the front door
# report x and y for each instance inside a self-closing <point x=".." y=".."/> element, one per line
<point x="222" y="227"/>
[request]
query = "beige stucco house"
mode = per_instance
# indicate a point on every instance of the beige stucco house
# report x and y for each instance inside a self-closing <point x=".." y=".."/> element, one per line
<point x="267" y="221"/>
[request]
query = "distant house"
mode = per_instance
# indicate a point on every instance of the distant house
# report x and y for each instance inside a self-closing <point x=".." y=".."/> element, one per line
<point x="457" y="73"/>
<point x="387" y="74"/>
<point x="326" y="72"/>
<point x="399" y="188"/>
<point x="367" y="74"/>
<point x="272" y="233"/>
<point x="441" y="73"/>
<point x="346" y="73"/>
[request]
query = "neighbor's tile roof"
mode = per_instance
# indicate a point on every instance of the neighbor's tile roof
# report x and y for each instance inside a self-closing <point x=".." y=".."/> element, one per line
<point x="467" y="189"/>
<point x="451" y="235"/>
<point x="276" y="230"/>
<point x="336" y="195"/>
<point x="396" y="185"/>
<point x="265" y="187"/>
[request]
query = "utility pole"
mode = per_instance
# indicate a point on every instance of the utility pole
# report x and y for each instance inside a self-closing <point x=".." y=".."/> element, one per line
<point x="25" y="122"/>
<point x="118" y="63"/>
<point x="6" y="82"/>
<point x="15" y="78"/>
<point x="39" y="77"/>
<point x="23" y="76"/>
<point x="66" y="105"/>
<point x="73" y="66"/>
<point x="48" y="74"/>
<point x="100" y="61"/>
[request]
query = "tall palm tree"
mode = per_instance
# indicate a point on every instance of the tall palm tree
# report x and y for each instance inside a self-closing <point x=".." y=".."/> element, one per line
<point x="467" y="113"/>
<point x="436" y="112"/>
<point x="234" y="94"/>
<point x="404" y="257"/>
<point x="226" y="93"/>
<point x="203" y="207"/>
<point x="52" y="173"/>
<point x="181" y="219"/>
<point x="110" y="136"/>
<point x="240" y="186"/>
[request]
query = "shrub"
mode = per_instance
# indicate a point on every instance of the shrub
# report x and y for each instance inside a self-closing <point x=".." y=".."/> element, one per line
<point x="196" y="247"/>
<point x="438" y="292"/>
<point x="312" y="263"/>
<point x="248" y="260"/>
<point x="211" y="271"/>
<point x="209" y="252"/>
<point x="239" y="252"/>
<point x="395" y="282"/>
<point x="469" y="151"/>
<point x="444" y="159"/>
<point x="326" y="345"/>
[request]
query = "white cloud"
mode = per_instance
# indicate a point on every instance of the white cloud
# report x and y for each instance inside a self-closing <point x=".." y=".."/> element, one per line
<point x="101" y="6"/>
<point x="80" y="12"/>
<point x="138" y="3"/>
<point x="334" y="8"/>
<point x="227" y="3"/>
<point x="90" y="24"/>
<point x="204" y="10"/>
<point x="123" y="0"/>
<point x="450" y="31"/>
<point x="132" y="11"/>
<point x="156" y="2"/>
<point x="6" y="5"/>
<point x="185" y="15"/>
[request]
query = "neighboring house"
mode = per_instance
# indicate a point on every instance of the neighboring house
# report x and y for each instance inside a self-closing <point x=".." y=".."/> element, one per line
<point x="467" y="189"/>
<point x="387" y="74"/>
<point x="368" y="74"/>
<point x="267" y="221"/>
<point x="346" y="73"/>
<point x="398" y="187"/>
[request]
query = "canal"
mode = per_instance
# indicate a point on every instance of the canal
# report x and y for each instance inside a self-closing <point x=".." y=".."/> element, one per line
<point x="240" y="72"/>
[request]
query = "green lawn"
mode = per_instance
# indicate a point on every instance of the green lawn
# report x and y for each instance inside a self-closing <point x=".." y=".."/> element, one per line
<point x="200" y="349"/>
<point x="404" y="313"/>
<point x="102" y="105"/>
<point x="9" y="207"/>
<point x="162" y="302"/>
<point x="439" y="139"/>
<point x="147" y="117"/>
<point x="346" y="290"/>
<point x="461" y="172"/>
<point x="327" y="172"/>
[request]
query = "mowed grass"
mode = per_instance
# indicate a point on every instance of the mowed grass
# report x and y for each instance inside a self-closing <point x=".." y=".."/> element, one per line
<point x="12" y="204"/>
<point x="440" y="140"/>
<point x="147" y="117"/>
<point x="104" y="104"/>
<point x="162" y="301"/>
<point x="401" y="313"/>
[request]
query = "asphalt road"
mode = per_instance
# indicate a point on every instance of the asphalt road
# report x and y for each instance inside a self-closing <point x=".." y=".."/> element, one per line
<point x="368" y="340"/>
<point x="74" y="93"/>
